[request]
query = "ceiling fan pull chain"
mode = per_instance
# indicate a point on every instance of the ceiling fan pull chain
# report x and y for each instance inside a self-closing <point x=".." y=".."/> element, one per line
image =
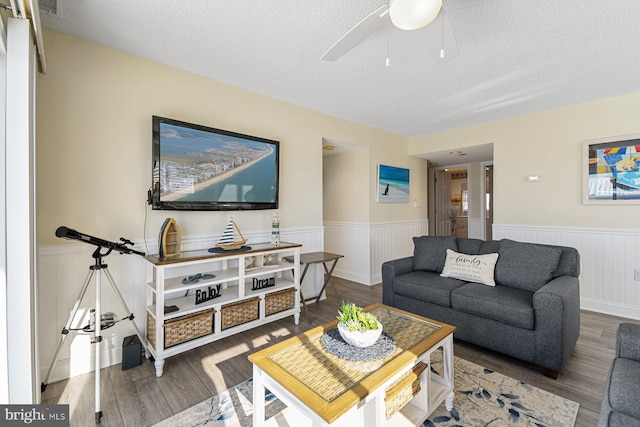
<point x="388" y="60"/>
<point x="442" y="48"/>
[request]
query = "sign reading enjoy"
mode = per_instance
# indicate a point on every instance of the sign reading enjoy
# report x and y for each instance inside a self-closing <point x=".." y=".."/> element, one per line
<point x="209" y="294"/>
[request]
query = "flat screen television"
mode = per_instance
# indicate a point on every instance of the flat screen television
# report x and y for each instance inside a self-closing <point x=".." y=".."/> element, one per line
<point x="200" y="168"/>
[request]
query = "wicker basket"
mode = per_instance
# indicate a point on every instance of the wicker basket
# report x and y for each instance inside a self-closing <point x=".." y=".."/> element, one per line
<point x="181" y="329"/>
<point x="403" y="390"/>
<point x="279" y="301"/>
<point x="241" y="312"/>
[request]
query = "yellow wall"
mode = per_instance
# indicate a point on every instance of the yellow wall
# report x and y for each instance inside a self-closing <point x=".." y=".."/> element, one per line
<point x="346" y="178"/>
<point x="94" y="109"/>
<point x="548" y="143"/>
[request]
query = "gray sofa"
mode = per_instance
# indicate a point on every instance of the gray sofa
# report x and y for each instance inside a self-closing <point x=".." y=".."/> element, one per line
<point x="621" y="397"/>
<point x="532" y="312"/>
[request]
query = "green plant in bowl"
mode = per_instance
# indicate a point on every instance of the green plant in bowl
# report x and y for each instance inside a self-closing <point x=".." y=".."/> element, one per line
<point x="355" y="319"/>
<point x="357" y="327"/>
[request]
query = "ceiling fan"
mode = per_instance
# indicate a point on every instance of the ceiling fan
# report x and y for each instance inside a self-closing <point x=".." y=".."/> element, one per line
<point x="427" y="16"/>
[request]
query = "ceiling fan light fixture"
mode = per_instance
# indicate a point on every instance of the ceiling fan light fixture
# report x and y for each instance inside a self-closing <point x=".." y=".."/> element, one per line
<point x="413" y="14"/>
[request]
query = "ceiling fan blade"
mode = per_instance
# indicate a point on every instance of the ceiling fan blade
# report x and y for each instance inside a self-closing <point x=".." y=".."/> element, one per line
<point x="369" y="25"/>
<point x="439" y="40"/>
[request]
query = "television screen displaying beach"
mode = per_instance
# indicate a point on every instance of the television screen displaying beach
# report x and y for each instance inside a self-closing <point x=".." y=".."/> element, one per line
<point x="201" y="166"/>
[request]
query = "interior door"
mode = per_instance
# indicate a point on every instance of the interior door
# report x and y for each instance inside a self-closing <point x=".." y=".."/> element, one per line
<point x="443" y="203"/>
<point x="488" y="232"/>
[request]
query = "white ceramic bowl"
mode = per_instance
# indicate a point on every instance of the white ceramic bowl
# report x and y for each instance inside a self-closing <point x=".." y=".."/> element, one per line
<point x="360" y="339"/>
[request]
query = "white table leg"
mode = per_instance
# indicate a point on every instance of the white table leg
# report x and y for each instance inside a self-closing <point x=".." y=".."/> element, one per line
<point x="380" y="413"/>
<point x="447" y="355"/>
<point x="159" y="364"/>
<point x="258" y="397"/>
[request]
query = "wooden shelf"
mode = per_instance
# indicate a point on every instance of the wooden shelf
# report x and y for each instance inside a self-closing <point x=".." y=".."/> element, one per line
<point x="165" y="288"/>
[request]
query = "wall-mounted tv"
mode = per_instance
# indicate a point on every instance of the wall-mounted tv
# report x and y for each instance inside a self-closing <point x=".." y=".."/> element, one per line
<point x="201" y="168"/>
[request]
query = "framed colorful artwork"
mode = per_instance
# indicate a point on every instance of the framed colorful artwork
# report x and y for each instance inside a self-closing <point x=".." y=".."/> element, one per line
<point x="611" y="170"/>
<point x="393" y="184"/>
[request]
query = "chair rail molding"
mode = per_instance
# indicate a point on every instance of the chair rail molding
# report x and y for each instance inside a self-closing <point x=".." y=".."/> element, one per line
<point x="608" y="258"/>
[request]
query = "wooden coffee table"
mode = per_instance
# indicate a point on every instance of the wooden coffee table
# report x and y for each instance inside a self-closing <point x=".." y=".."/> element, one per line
<point x="322" y="389"/>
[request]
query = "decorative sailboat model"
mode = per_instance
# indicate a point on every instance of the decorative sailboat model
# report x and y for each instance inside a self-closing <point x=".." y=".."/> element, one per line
<point x="228" y="240"/>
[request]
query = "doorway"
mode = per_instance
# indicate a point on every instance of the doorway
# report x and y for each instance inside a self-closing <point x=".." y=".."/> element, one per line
<point x="461" y="200"/>
<point x="450" y="208"/>
<point x="470" y="206"/>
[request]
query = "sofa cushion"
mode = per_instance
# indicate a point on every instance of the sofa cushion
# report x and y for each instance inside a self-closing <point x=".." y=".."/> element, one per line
<point x="569" y="264"/>
<point x="472" y="268"/>
<point x="426" y="286"/>
<point x="526" y="265"/>
<point x="468" y="246"/>
<point x="429" y="252"/>
<point x="624" y="388"/>
<point x="502" y="303"/>
<point x="489" y="247"/>
<point x="616" y="419"/>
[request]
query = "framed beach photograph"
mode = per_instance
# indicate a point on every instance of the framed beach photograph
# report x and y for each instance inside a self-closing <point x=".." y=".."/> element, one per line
<point x="611" y="170"/>
<point x="393" y="184"/>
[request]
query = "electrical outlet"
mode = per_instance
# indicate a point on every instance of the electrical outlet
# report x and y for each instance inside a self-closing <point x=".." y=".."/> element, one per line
<point x="636" y="274"/>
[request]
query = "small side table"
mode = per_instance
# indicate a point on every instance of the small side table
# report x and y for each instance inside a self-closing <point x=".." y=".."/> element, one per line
<point x="317" y="258"/>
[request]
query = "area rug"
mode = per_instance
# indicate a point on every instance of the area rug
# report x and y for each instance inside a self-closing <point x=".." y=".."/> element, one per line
<point x="482" y="398"/>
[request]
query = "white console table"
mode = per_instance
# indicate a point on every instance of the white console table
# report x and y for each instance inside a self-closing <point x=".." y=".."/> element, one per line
<point x="250" y="276"/>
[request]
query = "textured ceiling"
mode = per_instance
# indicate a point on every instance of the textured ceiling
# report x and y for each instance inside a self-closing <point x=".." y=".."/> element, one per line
<point x="515" y="57"/>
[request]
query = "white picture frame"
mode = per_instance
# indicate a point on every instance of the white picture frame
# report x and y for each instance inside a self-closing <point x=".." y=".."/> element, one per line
<point x="611" y="170"/>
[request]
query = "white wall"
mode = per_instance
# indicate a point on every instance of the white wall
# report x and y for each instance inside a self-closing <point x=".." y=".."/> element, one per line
<point x="4" y="367"/>
<point x="21" y="261"/>
<point x="476" y="201"/>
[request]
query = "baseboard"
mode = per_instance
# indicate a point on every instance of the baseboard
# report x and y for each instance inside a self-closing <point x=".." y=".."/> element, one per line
<point x="618" y="310"/>
<point x="64" y="369"/>
<point x="344" y="274"/>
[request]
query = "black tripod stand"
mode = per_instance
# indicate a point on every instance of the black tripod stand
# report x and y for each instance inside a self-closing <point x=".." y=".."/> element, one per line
<point x="97" y="320"/>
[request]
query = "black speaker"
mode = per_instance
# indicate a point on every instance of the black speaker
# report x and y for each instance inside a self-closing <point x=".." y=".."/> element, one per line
<point x="131" y="352"/>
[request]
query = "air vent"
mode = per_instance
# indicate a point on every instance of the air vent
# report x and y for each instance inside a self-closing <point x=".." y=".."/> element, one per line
<point x="49" y="6"/>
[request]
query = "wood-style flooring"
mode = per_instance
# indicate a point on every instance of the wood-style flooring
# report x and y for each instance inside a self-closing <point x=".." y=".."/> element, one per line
<point x="136" y="397"/>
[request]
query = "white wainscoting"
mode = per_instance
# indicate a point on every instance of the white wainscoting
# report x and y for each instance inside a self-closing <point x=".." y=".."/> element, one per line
<point x="63" y="271"/>
<point x="353" y="241"/>
<point x="608" y="258"/>
<point x="366" y="246"/>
